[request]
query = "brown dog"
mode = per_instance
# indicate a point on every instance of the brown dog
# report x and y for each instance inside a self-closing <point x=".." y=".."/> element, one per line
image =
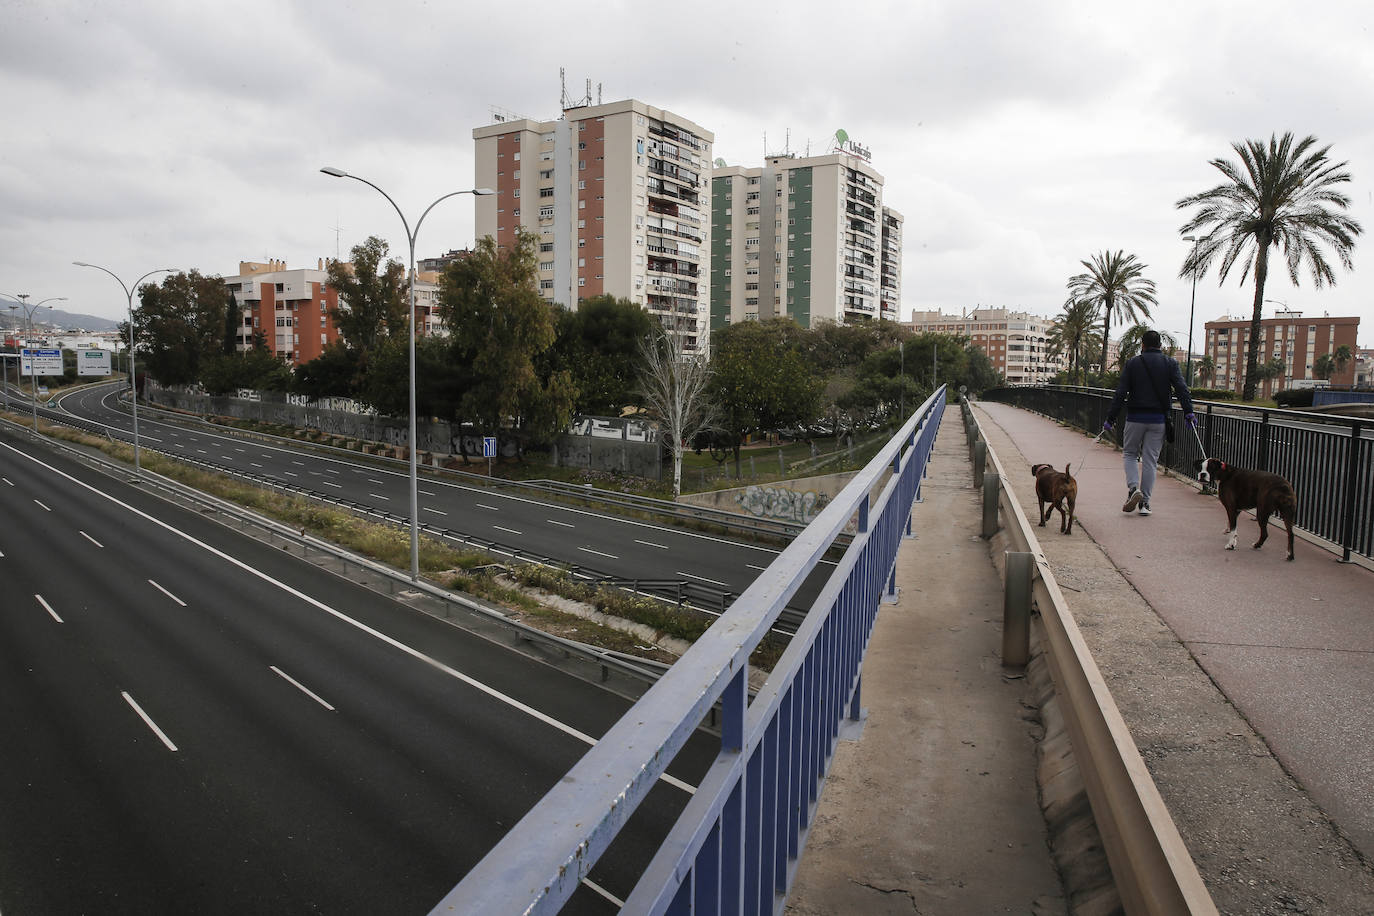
<point x="1239" y="488"/>
<point x="1054" y="489"/>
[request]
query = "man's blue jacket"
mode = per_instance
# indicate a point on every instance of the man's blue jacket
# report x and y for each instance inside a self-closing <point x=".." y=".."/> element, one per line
<point x="1144" y="380"/>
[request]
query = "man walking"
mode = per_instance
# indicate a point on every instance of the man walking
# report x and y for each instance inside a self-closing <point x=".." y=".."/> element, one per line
<point x="1144" y="389"/>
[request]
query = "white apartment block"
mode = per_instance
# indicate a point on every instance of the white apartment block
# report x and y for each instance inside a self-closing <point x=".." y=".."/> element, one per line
<point x="805" y="237"/>
<point x="1013" y="341"/>
<point x="289" y="307"/>
<point x="617" y="195"/>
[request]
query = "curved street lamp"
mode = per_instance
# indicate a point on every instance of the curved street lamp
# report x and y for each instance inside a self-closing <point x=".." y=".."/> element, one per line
<point x="29" y="312"/>
<point x="410" y="240"/>
<point x="1188" y="373"/>
<point x="133" y="379"/>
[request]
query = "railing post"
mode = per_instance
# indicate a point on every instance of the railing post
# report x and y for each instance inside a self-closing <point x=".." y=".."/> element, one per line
<point x="1351" y="478"/>
<point x="992" y="483"/>
<point x="1016" y="606"/>
<point x="980" y="461"/>
<point x="1262" y="463"/>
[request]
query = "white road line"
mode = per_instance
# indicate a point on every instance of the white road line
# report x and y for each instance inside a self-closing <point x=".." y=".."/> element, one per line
<point x="147" y="720"/>
<point x="43" y="507"/>
<point x="379" y="496"/>
<point x="337" y="486"/>
<point x="333" y="471"/>
<point x="508" y="530"/>
<point x="91" y="539"/>
<point x="484" y="506"/>
<point x="268" y="457"/>
<point x="651" y="544"/>
<point x="254" y="464"/>
<point x="302" y="688"/>
<point x="239" y="450"/>
<point x="167" y="593"/>
<point x="435" y="511"/>
<point x="396" y="644"/>
<point x="752" y="566"/>
<point x="291" y="474"/>
<point x="428" y="493"/>
<point x="299" y="463"/>
<point x="372" y="480"/>
<point x="559" y="524"/>
<point x="200" y="451"/>
<point x="7" y="480"/>
<point x="48" y="607"/>
<point x="703" y="579"/>
<point x="226" y="458"/>
<point x="615" y="901"/>
<point x="610" y="556"/>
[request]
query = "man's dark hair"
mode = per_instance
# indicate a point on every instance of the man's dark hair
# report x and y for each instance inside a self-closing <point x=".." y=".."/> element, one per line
<point x="1150" y="340"/>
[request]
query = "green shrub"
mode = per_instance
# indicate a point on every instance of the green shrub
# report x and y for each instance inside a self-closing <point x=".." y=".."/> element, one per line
<point x="1213" y="394"/>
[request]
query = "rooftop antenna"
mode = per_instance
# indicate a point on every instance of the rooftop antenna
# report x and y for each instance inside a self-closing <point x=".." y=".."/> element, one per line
<point x="567" y="102"/>
<point x="337" y="231"/>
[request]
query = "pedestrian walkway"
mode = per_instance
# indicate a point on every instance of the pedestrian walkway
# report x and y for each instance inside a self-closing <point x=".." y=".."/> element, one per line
<point x="934" y="810"/>
<point x="1247" y="681"/>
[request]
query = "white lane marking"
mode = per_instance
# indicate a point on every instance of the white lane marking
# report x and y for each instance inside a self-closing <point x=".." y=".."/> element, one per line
<point x="314" y="473"/>
<point x="226" y="458"/>
<point x="703" y="579"/>
<point x="299" y="463"/>
<point x="615" y="901"/>
<point x="43" y="507"/>
<point x="508" y="530"/>
<point x="254" y="464"/>
<point x="91" y="539"/>
<point x="177" y="445"/>
<point x="651" y="544"/>
<point x="337" y="486"/>
<point x="200" y="451"/>
<point x="371" y="480"/>
<point x="428" y="493"/>
<point x="268" y="457"/>
<point x="599" y="553"/>
<point x="302" y="688"/>
<point x="752" y="566"/>
<point x="48" y="607"/>
<point x="147" y="720"/>
<point x="239" y="450"/>
<point x="379" y="496"/>
<point x="7" y="480"/>
<point x="2" y="555"/>
<point x="291" y="474"/>
<point x="484" y="506"/>
<point x="333" y="471"/>
<point x="435" y="511"/>
<point x="344" y="618"/>
<point x="560" y="524"/>
<point x="167" y="593"/>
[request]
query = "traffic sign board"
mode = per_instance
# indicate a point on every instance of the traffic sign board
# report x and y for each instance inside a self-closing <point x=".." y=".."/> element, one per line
<point x="93" y="361"/>
<point x="40" y="362"/>
<point x="488" y="446"/>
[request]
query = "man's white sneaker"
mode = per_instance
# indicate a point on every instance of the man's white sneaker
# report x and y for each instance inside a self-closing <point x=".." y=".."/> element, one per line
<point x="1133" y="499"/>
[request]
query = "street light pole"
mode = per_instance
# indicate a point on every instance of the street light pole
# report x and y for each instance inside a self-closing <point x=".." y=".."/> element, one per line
<point x="410" y="241"/>
<point x="1188" y="373"/>
<point x="29" y="312"/>
<point x="133" y="377"/>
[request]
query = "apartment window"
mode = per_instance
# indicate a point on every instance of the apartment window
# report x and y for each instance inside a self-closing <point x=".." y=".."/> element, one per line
<point x="546" y="284"/>
<point x="324" y="339"/>
<point x="582" y="164"/>
<point x="582" y="224"/>
<point x="516" y="214"/>
<point x="517" y="192"/>
<point x="581" y="281"/>
<point x="546" y="265"/>
<point x="546" y="246"/>
<point x="581" y="243"/>
<point x="322" y="324"/>
<point x="546" y="212"/>
<point x="582" y="204"/>
<point x="517" y="159"/>
<point x="582" y="185"/>
<point x="581" y="262"/>
<point x="546" y="173"/>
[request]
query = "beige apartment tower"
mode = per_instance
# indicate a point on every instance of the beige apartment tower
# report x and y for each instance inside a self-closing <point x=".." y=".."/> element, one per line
<point x="804" y="237"/>
<point x="617" y="195"/>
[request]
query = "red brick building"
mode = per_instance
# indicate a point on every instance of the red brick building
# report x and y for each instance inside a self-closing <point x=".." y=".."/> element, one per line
<point x="291" y="308"/>
<point x="1299" y="342"/>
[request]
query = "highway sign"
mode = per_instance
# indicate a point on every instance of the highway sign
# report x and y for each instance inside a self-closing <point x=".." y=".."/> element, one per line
<point x="488" y="446"/>
<point x="40" y="362"/>
<point x="93" y="361"/>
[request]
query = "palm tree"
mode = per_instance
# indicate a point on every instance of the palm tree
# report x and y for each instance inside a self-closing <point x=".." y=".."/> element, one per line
<point x="1342" y="357"/>
<point x="1206" y="365"/>
<point x="1281" y="194"/>
<point x="1132" y="342"/>
<point x="1070" y="332"/>
<point x="1115" y="283"/>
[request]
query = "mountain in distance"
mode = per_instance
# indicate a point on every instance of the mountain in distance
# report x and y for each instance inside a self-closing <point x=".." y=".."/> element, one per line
<point x="60" y="319"/>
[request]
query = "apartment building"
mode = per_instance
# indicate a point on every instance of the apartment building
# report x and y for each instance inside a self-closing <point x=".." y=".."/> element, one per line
<point x="805" y="237"/>
<point x="1014" y="341"/>
<point x="290" y="307"/>
<point x="1299" y="342"/>
<point x="616" y="194"/>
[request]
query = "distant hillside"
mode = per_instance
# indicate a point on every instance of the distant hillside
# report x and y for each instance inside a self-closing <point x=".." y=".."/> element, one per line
<point x="67" y="320"/>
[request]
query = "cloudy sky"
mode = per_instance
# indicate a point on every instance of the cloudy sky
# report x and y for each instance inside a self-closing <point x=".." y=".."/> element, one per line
<point x="1016" y="138"/>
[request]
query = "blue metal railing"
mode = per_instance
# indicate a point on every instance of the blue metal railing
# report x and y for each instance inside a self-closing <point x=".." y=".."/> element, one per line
<point x="1328" y="459"/>
<point x="735" y="847"/>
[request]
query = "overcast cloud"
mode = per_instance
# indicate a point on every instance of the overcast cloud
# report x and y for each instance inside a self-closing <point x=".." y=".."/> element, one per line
<point x="1016" y="138"/>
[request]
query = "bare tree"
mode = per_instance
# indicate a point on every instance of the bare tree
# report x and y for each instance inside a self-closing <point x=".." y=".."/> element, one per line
<point x="673" y="381"/>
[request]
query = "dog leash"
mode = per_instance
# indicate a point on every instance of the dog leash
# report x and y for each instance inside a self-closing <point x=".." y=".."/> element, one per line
<point x="1090" y="448"/>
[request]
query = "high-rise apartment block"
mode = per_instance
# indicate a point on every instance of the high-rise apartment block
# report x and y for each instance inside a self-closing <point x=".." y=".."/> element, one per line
<point x="1288" y="337"/>
<point x="805" y="237"/>
<point x="617" y="196"/>
<point x="1015" y="342"/>
<point x="290" y="308"/>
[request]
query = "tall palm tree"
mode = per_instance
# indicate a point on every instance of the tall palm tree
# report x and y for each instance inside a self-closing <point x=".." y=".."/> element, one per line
<point x="1133" y="341"/>
<point x="1206" y="366"/>
<point x="1115" y="283"/>
<point x="1280" y="194"/>
<point x="1070" y="331"/>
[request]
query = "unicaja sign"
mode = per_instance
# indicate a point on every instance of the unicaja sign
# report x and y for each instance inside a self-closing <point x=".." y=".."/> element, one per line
<point x="852" y="147"/>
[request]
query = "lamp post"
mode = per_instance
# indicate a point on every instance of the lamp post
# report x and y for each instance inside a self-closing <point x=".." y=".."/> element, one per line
<point x="1188" y="373"/>
<point x="410" y="240"/>
<point x="133" y="377"/>
<point x="29" y="312"/>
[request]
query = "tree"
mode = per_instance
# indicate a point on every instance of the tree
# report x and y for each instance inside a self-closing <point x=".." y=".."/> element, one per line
<point x="760" y="379"/>
<point x="258" y="369"/>
<point x="1206" y="367"/>
<point x="372" y="297"/>
<point x="1131" y="343"/>
<point x="1114" y="283"/>
<point x="1324" y="366"/>
<point x="1070" y="332"/>
<point x="1342" y="357"/>
<point x="599" y="344"/>
<point x="672" y="383"/>
<point x="336" y="372"/>
<point x="1282" y="194"/>
<point x="499" y="327"/>
<point x="179" y="325"/>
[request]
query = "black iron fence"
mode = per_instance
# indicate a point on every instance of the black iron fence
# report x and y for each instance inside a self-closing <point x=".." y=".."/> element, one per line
<point x="1328" y="459"/>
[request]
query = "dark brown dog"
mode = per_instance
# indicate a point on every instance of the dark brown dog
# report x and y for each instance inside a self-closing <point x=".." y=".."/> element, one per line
<point x="1053" y="490"/>
<point x="1239" y="488"/>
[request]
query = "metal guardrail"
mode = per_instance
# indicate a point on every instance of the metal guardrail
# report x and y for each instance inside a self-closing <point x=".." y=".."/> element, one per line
<point x="736" y="845"/>
<point x="1328" y="459"/>
<point x="1152" y="868"/>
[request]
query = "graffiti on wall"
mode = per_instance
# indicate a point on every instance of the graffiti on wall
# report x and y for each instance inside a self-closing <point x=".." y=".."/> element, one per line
<point x="782" y="504"/>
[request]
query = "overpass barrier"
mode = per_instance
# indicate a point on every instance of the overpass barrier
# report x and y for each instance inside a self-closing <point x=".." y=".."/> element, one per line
<point x="1328" y="459"/>
<point x="1153" y="871"/>
<point x="736" y="845"/>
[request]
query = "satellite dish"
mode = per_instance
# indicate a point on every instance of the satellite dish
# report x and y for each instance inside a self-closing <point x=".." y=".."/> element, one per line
<point x="720" y="163"/>
<point x="841" y="138"/>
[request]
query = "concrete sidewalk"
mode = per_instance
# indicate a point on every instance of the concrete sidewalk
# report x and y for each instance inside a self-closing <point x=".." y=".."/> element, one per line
<point x="935" y="809"/>
<point x="1247" y="681"/>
